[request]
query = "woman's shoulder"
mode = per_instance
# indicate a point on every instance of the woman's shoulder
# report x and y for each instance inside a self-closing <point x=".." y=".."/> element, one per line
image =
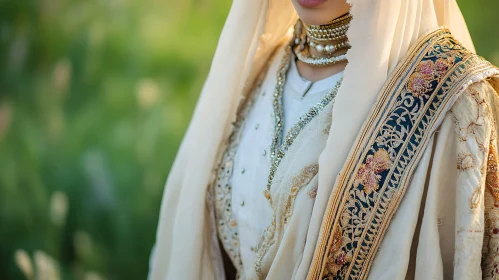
<point x="475" y="111"/>
<point x="479" y="94"/>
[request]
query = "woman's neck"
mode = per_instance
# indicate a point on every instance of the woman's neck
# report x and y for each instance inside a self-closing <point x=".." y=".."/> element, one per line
<point x="315" y="73"/>
<point x="320" y="49"/>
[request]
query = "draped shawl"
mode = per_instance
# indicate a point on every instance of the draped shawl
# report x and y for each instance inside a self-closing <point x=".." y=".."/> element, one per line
<point x="381" y="34"/>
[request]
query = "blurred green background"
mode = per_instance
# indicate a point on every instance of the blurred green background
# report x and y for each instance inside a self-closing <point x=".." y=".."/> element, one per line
<point x="94" y="99"/>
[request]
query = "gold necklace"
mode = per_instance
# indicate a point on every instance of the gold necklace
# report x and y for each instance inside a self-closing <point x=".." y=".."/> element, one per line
<point x="325" y="39"/>
<point x="330" y="30"/>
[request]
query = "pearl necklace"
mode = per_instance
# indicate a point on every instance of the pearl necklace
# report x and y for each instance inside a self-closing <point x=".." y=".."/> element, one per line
<point x="305" y="57"/>
<point x="325" y="39"/>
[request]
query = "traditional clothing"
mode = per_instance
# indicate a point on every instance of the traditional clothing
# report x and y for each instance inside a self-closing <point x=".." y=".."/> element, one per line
<point x="418" y="139"/>
<point x="242" y="211"/>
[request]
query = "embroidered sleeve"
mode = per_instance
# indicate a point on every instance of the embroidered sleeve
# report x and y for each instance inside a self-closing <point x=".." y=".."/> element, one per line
<point x="476" y="236"/>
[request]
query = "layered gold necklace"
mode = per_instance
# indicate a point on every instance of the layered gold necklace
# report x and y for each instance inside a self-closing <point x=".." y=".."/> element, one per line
<point x="325" y="39"/>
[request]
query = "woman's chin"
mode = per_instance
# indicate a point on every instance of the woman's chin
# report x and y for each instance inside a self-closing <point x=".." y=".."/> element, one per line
<point x="314" y="17"/>
<point x="319" y="12"/>
<point x="310" y="4"/>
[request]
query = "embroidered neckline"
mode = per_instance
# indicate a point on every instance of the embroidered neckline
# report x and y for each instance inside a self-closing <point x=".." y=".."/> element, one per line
<point x="226" y="222"/>
<point x="280" y="145"/>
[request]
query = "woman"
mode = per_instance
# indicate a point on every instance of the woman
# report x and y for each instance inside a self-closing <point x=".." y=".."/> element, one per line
<point x="298" y="165"/>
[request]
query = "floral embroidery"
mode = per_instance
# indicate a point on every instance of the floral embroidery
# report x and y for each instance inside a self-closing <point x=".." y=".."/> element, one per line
<point x="427" y="69"/>
<point x="474" y="126"/>
<point x="336" y="258"/>
<point x="469" y="131"/>
<point x="465" y="161"/>
<point x="472" y="134"/>
<point x="368" y="174"/>
<point x="443" y="65"/>
<point x="426" y="72"/>
<point x="419" y="84"/>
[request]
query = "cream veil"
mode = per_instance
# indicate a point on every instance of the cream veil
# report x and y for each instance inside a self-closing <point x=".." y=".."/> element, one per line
<point x="381" y="33"/>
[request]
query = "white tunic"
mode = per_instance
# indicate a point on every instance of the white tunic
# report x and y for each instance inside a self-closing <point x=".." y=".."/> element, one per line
<point x="251" y="209"/>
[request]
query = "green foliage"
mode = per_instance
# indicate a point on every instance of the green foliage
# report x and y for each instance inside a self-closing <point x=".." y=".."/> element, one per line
<point x="95" y="97"/>
<point x="482" y="20"/>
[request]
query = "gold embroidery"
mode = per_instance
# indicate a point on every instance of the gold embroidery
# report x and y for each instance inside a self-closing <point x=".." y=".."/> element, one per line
<point x="473" y="131"/>
<point x="482" y="114"/>
<point x="476" y="134"/>
<point x="303" y="178"/>
<point x="476" y="197"/>
<point x="299" y="181"/>
<point x="465" y="161"/>
<point x="313" y="192"/>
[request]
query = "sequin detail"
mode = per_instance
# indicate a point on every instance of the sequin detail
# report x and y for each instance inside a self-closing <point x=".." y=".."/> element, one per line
<point x="279" y="146"/>
<point x="278" y="149"/>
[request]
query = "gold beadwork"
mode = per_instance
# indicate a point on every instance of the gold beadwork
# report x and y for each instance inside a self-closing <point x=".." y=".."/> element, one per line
<point x="324" y="39"/>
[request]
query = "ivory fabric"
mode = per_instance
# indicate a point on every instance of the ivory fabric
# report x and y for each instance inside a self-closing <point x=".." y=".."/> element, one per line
<point x="251" y="162"/>
<point x="380" y="33"/>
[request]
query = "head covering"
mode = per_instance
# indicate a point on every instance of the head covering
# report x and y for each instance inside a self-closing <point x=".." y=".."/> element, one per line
<point x="380" y="33"/>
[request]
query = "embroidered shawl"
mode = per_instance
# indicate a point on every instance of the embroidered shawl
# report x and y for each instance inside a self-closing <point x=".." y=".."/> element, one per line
<point x="393" y="144"/>
<point x="382" y="162"/>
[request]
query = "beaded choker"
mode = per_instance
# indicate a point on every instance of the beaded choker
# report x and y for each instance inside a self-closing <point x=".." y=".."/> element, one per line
<point x="325" y="39"/>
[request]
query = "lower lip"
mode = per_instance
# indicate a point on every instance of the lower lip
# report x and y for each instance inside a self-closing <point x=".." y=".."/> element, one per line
<point x="310" y="3"/>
